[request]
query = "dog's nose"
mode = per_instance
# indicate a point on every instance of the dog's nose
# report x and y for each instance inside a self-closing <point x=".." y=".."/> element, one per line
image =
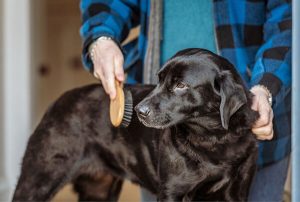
<point x="143" y="111"/>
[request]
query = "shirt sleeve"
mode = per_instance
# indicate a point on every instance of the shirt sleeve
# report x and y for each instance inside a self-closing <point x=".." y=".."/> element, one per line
<point x="113" y="18"/>
<point x="273" y="59"/>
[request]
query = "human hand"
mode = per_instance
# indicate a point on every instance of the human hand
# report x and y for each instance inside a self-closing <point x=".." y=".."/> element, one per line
<point x="263" y="127"/>
<point x="108" y="65"/>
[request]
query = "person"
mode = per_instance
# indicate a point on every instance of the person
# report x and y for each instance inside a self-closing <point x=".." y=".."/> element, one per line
<point x="253" y="35"/>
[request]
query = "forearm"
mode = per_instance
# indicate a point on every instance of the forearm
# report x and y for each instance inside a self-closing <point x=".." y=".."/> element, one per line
<point x="106" y="18"/>
<point x="273" y="59"/>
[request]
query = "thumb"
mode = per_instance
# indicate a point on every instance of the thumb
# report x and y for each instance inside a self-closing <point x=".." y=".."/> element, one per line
<point x="255" y="103"/>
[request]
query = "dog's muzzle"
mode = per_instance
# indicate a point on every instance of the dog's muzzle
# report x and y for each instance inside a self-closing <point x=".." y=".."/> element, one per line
<point x="142" y="111"/>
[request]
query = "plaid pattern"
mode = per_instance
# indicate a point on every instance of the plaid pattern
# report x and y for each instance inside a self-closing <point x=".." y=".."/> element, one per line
<point x="115" y="18"/>
<point x="254" y="35"/>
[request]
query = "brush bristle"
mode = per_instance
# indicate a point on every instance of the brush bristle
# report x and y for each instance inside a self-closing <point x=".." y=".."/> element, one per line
<point x="128" y="109"/>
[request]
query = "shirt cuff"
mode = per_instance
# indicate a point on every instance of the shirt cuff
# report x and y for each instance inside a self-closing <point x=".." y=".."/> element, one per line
<point x="272" y="82"/>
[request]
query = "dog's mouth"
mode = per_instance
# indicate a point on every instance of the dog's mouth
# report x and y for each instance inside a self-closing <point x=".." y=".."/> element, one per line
<point x="157" y="122"/>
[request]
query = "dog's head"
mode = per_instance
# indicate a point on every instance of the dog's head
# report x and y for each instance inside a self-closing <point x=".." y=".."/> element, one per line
<point x="193" y="83"/>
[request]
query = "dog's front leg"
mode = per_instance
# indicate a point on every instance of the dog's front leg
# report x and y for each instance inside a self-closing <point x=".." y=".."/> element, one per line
<point x="172" y="195"/>
<point x="173" y="186"/>
<point x="245" y="176"/>
<point x="164" y="196"/>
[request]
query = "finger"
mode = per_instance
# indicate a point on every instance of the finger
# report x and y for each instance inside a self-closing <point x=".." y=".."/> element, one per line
<point x="266" y="137"/>
<point x="110" y="80"/>
<point x="97" y="69"/>
<point x="103" y="82"/>
<point x="260" y="138"/>
<point x="111" y="87"/>
<point x="254" y="105"/>
<point x="270" y="136"/>
<point x="263" y="131"/>
<point x="96" y="75"/>
<point x="99" y="75"/>
<point x="119" y="72"/>
<point x="264" y="118"/>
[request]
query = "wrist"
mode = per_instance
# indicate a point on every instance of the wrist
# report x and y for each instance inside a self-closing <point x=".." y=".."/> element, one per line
<point x="264" y="90"/>
<point x="95" y="44"/>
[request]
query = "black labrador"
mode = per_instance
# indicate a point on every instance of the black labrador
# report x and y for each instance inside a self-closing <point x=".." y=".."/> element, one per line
<point x="197" y="143"/>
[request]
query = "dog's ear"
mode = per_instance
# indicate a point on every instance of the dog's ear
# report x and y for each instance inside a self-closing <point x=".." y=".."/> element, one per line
<point x="232" y="96"/>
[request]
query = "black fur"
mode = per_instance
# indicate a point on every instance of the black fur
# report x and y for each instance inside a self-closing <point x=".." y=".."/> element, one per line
<point x="199" y="147"/>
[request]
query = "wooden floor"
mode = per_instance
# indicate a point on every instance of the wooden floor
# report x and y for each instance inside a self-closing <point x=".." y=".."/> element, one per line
<point x="130" y="193"/>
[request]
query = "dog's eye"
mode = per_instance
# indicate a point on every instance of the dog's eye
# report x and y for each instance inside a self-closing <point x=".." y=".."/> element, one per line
<point x="180" y="85"/>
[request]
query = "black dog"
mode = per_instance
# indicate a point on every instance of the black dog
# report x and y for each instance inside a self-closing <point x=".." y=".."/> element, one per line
<point x="202" y="147"/>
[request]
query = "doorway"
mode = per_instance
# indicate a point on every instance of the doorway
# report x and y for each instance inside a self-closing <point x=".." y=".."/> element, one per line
<point x="57" y="67"/>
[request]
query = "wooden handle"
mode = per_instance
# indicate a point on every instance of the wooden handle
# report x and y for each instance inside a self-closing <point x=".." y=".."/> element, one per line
<point x="117" y="105"/>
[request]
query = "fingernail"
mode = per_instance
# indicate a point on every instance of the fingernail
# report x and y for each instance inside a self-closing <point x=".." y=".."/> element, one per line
<point x="112" y="96"/>
<point x="120" y="77"/>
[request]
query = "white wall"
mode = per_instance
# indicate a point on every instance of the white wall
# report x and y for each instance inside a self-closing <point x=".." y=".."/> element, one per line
<point x="295" y="102"/>
<point x="14" y="89"/>
<point x="3" y="186"/>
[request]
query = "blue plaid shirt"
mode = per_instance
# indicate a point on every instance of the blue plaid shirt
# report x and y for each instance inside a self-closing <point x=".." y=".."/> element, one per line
<point x="254" y="35"/>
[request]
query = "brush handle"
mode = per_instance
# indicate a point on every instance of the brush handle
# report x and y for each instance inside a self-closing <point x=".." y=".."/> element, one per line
<point x="117" y="105"/>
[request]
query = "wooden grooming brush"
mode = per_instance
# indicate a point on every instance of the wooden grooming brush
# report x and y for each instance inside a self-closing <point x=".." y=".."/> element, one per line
<point x="121" y="108"/>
